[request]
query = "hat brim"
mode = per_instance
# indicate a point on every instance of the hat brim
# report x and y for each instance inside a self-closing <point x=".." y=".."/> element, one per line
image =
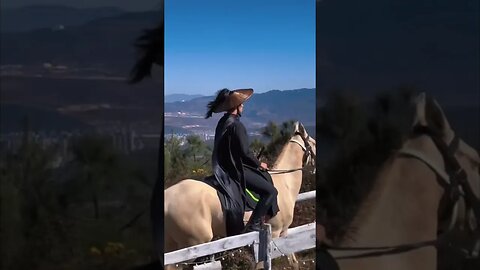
<point x="237" y="97"/>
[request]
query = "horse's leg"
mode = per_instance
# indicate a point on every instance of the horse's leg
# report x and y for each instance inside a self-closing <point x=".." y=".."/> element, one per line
<point x="170" y="245"/>
<point x="198" y="234"/>
<point x="292" y="259"/>
<point x="194" y="214"/>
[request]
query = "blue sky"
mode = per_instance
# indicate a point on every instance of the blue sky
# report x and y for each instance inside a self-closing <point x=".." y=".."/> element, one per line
<point x="214" y="44"/>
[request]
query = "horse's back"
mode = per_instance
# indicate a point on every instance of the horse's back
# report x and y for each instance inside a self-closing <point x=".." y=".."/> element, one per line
<point x="187" y="191"/>
<point x="190" y="197"/>
<point x="191" y="200"/>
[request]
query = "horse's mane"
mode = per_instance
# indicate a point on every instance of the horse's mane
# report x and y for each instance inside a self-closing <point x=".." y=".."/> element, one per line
<point x="364" y="135"/>
<point x="274" y="148"/>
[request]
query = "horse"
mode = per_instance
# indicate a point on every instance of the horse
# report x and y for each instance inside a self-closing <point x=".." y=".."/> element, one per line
<point x="193" y="214"/>
<point x="398" y="222"/>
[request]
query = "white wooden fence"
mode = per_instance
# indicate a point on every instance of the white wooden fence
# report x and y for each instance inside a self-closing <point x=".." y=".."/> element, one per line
<point x="298" y="239"/>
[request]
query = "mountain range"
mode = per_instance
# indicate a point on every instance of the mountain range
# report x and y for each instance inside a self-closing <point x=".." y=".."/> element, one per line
<point x="50" y="16"/>
<point x="102" y="42"/>
<point x="180" y="97"/>
<point x="274" y="105"/>
<point x="105" y="101"/>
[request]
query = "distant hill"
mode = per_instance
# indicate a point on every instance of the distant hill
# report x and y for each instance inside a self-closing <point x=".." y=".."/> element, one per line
<point x="45" y="96"/>
<point x="273" y="105"/>
<point x="180" y="97"/>
<point x="13" y="115"/>
<point x="55" y="93"/>
<point x="105" y="44"/>
<point x="49" y="16"/>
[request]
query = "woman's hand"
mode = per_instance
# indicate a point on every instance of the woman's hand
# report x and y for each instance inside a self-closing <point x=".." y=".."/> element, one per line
<point x="264" y="165"/>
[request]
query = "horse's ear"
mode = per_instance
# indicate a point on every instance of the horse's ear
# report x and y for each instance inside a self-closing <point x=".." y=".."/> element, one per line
<point x="298" y="127"/>
<point x="429" y="113"/>
<point x="446" y="126"/>
<point x="447" y="131"/>
<point x="420" y="105"/>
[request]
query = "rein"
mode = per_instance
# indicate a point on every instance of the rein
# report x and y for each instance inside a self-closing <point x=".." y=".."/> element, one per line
<point x="381" y="251"/>
<point x="280" y="171"/>
<point x="307" y="149"/>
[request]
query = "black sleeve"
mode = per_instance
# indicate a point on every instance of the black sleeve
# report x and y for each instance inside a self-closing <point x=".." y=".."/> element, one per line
<point x="247" y="156"/>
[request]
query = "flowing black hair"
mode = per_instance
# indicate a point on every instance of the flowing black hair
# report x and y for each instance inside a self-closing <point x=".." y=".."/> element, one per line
<point x="150" y="47"/>
<point x="212" y="105"/>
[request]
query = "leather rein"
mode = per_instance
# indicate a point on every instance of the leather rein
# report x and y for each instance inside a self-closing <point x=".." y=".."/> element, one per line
<point x="308" y="153"/>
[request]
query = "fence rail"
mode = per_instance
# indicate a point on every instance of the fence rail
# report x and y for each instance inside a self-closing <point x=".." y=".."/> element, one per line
<point x="306" y="196"/>
<point x="298" y="239"/>
<point x="213" y="247"/>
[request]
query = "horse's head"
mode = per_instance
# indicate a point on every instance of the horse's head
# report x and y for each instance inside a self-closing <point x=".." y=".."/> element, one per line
<point x="461" y="161"/>
<point x="309" y="145"/>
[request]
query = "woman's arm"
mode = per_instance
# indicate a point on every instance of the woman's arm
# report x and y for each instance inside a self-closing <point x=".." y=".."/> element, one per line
<point x="247" y="156"/>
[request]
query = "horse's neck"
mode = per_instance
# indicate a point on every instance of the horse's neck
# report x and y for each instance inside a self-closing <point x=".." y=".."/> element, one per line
<point x="290" y="158"/>
<point x="401" y="208"/>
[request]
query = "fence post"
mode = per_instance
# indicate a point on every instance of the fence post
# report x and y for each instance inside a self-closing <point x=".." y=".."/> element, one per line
<point x="264" y="252"/>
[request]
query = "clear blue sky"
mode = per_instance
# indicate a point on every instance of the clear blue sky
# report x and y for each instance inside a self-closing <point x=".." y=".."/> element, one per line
<point x="265" y="45"/>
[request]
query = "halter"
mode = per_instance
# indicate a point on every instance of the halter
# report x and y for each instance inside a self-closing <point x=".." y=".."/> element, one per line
<point x="307" y="156"/>
<point x="455" y="183"/>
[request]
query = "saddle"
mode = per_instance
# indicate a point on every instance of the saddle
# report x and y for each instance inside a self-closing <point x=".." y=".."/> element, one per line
<point x="252" y="197"/>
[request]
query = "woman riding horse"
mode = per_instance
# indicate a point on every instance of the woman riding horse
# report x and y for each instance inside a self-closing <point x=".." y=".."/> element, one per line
<point x="235" y="168"/>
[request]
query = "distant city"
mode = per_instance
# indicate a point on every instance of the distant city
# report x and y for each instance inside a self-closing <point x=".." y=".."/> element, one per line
<point x="52" y="70"/>
<point x="124" y="140"/>
<point x="206" y="131"/>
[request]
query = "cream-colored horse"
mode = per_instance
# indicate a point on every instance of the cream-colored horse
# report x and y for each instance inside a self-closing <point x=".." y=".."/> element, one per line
<point x="403" y="206"/>
<point x="193" y="214"/>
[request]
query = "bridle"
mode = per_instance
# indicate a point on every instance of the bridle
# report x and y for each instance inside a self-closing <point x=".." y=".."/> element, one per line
<point x="308" y="155"/>
<point x="454" y="179"/>
<point x="455" y="183"/>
